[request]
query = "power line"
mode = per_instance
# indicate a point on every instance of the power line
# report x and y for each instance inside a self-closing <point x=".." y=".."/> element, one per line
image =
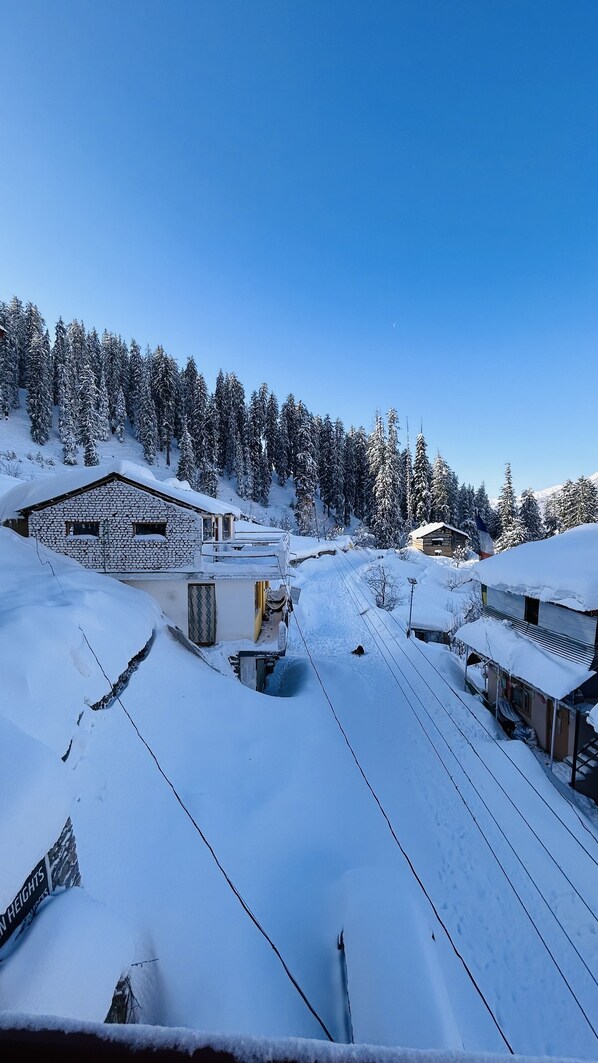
<point x="213" y="854"/>
<point x="396" y="839"/>
<point x="416" y="715"/>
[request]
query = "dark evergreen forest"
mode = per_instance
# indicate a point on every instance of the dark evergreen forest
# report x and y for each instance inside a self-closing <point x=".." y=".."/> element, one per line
<point x="103" y="386"/>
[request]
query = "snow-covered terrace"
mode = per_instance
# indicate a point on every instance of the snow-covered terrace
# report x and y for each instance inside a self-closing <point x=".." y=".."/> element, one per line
<point x="498" y="641"/>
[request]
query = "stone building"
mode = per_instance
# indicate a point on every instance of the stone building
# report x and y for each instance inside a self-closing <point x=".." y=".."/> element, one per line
<point x="177" y="544"/>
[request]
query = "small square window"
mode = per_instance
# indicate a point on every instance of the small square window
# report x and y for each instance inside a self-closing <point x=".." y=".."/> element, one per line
<point x="207" y="530"/>
<point x="155" y="530"/>
<point x="83" y="529"/>
<point x="227" y="527"/>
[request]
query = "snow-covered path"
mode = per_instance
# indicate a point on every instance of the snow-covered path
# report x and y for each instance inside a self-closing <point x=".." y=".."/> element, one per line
<point x="518" y="890"/>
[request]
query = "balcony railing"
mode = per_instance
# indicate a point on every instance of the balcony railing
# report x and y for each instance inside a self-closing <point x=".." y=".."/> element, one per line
<point x="267" y="555"/>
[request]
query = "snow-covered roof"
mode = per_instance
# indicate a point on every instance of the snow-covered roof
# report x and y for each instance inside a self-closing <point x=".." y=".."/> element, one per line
<point x="69" y="961"/>
<point x="48" y="488"/>
<point x="497" y="641"/>
<point x="429" y="529"/>
<point x="35" y="799"/>
<point x="563" y="569"/>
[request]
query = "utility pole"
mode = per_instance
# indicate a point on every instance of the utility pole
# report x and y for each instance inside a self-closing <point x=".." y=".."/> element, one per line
<point x="413" y="583"/>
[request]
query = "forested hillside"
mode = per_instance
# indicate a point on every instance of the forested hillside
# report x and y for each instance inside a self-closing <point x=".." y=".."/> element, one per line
<point x="104" y="386"/>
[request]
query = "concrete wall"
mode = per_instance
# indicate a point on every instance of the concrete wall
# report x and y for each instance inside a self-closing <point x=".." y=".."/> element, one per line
<point x="235" y="604"/>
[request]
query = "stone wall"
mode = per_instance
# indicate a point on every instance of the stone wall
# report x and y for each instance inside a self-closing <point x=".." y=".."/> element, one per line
<point x="63" y="860"/>
<point x="118" y="507"/>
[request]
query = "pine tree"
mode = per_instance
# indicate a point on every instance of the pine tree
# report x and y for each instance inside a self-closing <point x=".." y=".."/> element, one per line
<point x="421" y="483"/>
<point x="186" y="470"/>
<point x="387" y="521"/>
<point x="442" y="490"/>
<point x="17" y="327"/>
<point x="507" y="503"/>
<point x="271" y="431"/>
<point x="513" y="535"/>
<point x="88" y="399"/>
<point x="407" y="477"/>
<point x="587" y="501"/>
<point x="59" y="356"/>
<point x="120" y="416"/>
<point x="147" y="427"/>
<point x="529" y="513"/>
<point x="39" y="394"/>
<point x="103" y="412"/>
<point x="135" y="383"/>
<point x="305" y="477"/>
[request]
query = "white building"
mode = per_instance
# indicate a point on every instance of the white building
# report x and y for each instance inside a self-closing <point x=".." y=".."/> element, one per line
<point x="538" y="632"/>
<point x="180" y="546"/>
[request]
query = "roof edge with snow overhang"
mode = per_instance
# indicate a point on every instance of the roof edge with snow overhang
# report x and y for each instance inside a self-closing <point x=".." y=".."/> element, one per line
<point x="499" y="642"/>
<point x="562" y="569"/>
<point x="45" y="491"/>
<point x="429" y="529"/>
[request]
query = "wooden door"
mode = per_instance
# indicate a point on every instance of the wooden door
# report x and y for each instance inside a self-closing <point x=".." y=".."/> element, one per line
<point x="202" y="613"/>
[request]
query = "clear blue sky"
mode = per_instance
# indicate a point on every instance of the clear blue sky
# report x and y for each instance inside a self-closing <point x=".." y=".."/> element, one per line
<point x="366" y="203"/>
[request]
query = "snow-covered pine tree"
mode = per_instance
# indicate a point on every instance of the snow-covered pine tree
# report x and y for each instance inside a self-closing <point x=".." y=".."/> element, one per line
<point x="271" y="431"/>
<point x="529" y="514"/>
<point x="135" y="383"/>
<point x="375" y="456"/>
<point x="568" y="505"/>
<point x="222" y="406"/>
<point x="34" y="325"/>
<point x="507" y="503"/>
<point x="337" y="472"/>
<point x="387" y="523"/>
<point x="7" y="361"/>
<point x="256" y="457"/>
<point x="325" y="461"/>
<point x="587" y="501"/>
<point x="103" y="413"/>
<point x="17" y="327"/>
<point x="67" y="429"/>
<point x="97" y="352"/>
<point x="421" y="483"/>
<point x="349" y="476"/>
<point x="362" y="482"/>
<point x="441" y="492"/>
<point x="120" y="416"/>
<point x="88" y="404"/>
<point x="407" y="477"/>
<point x="552" y="515"/>
<point x="59" y="357"/>
<point x="466" y="515"/>
<point x="164" y="384"/>
<point x="147" y="426"/>
<point x="186" y="470"/>
<point x="289" y="426"/>
<point x="39" y="392"/>
<point x="305" y="476"/>
<point x="513" y="535"/>
<point x="188" y="393"/>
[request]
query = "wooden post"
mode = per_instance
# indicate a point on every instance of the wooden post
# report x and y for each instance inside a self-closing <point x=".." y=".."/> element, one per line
<point x="555" y="705"/>
<point x="575" y="748"/>
<point x="465" y="676"/>
<point x="497" y="691"/>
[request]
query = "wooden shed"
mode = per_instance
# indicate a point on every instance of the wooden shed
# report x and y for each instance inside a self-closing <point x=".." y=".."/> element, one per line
<point x="438" y="540"/>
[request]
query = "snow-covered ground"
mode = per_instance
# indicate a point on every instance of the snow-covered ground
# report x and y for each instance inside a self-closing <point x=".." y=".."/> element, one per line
<point x="360" y="795"/>
<point x="464" y="885"/>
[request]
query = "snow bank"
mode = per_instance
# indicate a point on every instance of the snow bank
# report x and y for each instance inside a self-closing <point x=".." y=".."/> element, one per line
<point x="45" y="488"/>
<point x="35" y="799"/>
<point x="562" y="569"/>
<point x="48" y="672"/>
<point x="305" y="546"/>
<point x="523" y="658"/>
<point x="69" y="962"/>
<point x="397" y="988"/>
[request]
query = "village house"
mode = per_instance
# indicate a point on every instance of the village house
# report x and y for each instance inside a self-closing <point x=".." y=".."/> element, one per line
<point x="538" y="635"/>
<point x="438" y="540"/>
<point x="180" y="546"/>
